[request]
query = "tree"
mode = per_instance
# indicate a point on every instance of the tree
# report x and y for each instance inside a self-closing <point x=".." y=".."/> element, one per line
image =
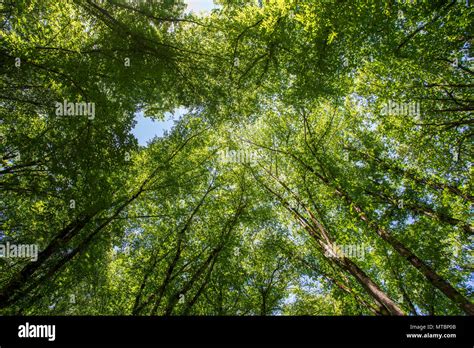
<point x="322" y="166"/>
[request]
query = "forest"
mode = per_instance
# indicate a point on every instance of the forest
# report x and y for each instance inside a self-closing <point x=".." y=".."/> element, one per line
<point x="322" y="166"/>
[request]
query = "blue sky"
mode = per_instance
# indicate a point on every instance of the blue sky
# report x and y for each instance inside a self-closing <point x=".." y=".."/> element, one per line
<point x="200" y="5"/>
<point x="146" y="128"/>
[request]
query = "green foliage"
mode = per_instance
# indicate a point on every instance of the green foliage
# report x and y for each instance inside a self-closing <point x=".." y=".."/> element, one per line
<point x="312" y="127"/>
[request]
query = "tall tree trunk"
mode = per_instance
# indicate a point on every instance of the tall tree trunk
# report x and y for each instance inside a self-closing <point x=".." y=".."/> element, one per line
<point x="174" y="299"/>
<point x="435" y="279"/>
<point x="322" y="237"/>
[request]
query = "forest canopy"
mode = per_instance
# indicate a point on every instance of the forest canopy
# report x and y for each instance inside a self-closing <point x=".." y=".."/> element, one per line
<point x="322" y="166"/>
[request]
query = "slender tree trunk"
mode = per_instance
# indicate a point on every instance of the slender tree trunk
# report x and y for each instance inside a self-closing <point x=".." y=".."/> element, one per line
<point x="145" y="278"/>
<point x="174" y="299"/>
<point x="8" y="291"/>
<point x="346" y="288"/>
<point x="323" y="239"/>
<point x="435" y="279"/>
<point x="198" y="294"/>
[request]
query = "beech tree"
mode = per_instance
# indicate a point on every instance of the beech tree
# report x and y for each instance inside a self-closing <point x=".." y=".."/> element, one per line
<point x="322" y="165"/>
